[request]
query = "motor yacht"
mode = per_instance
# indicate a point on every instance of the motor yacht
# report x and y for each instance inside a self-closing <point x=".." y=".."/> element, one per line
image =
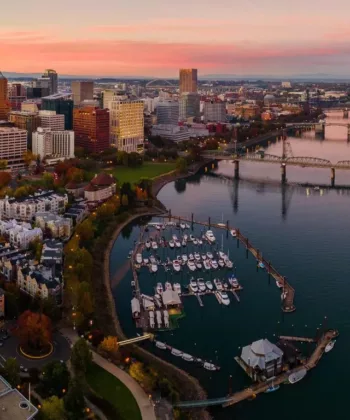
<point x="297" y="376"/>
<point x="210" y="236"/>
<point x="209" y="366"/>
<point x="161" y="345"/>
<point x="195" y="241"/>
<point x="197" y="256"/>
<point x="214" y="264"/>
<point x="221" y="263"/>
<point x="209" y="285"/>
<point x="222" y="255"/>
<point x="178" y="244"/>
<point x="159" y="288"/>
<point x="176" y="265"/>
<point x="148" y="244"/>
<point x="176" y="352"/>
<point x="177" y="288"/>
<point x="218" y="284"/>
<point x="223" y="298"/>
<point x="182" y="226"/>
<point x="210" y="255"/>
<point x="171" y="243"/>
<point x="204" y="257"/>
<point x="228" y="263"/>
<point x="187" y="357"/>
<point x="154" y="245"/>
<point x="191" y="265"/>
<point x="198" y="265"/>
<point x="193" y="286"/>
<point x="184" y="258"/>
<point x="206" y="264"/>
<point x="330" y="346"/>
<point x="168" y="286"/>
<point x="201" y="285"/>
<point x="233" y="233"/>
<point x="233" y="281"/>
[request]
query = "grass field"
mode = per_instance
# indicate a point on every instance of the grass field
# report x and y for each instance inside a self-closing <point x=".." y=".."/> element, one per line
<point x="147" y="170"/>
<point x="115" y="392"/>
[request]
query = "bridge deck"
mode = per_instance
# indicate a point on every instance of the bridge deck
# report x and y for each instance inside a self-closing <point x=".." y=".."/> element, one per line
<point x="299" y="339"/>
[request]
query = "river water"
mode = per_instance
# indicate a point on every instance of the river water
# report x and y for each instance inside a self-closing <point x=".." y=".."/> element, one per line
<point x="305" y="234"/>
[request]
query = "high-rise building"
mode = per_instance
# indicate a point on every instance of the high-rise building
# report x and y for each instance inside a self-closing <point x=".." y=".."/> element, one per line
<point x="13" y="143"/>
<point x="82" y="91"/>
<point x="53" y="145"/>
<point x="4" y="103"/>
<point x="91" y="127"/>
<point x="188" y="80"/>
<point x="108" y="95"/>
<point x="53" y="83"/>
<point x="127" y="125"/>
<point x="29" y="121"/>
<point x="17" y="95"/>
<point x="62" y="104"/>
<point x="189" y="106"/>
<point x="214" y="111"/>
<point x="31" y="105"/>
<point x="49" y="119"/>
<point x="168" y="112"/>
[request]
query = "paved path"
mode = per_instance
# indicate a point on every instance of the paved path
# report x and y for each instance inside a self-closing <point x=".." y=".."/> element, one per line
<point x="146" y="408"/>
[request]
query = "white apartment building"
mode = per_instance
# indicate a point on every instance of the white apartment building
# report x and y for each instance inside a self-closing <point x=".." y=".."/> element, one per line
<point x="25" y="209"/>
<point x="49" y="119"/>
<point x="53" y="145"/>
<point x="127" y="125"/>
<point x="171" y="132"/>
<point x="20" y="234"/>
<point x="168" y="112"/>
<point x="60" y="227"/>
<point x="214" y="111"/>
<point x="13" y="143"/>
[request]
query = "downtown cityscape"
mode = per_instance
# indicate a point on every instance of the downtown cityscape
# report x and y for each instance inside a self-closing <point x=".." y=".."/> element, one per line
<point x="174" y="212"/>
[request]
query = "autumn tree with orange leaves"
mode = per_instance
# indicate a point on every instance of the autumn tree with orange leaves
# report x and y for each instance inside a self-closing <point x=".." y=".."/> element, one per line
<point x="34" y="331"/>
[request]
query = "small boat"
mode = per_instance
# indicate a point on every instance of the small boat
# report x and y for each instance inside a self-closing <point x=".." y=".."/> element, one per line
<point x="221" y="263"/>
<point x="218" y="284"/>
<point x="161" y="345"/>
<point x="204" y="257"/>
<point x="224" y="299"/>
<point x="166" y="319"/>
<point x="145" y="260"/>
<point x="168" y="286"/>
<point x="330" y="346"/>
<point x="158" y="227"/>
<point x="184" y="243"/>
<point x="210" y="236"/>
<point x="197" y="256"/>
<point x="228" y="263"/>
<point x="182" y="226"/>
<point x="176" y="265"/>
<point x="214" y="264"/>
<point x="177" y="288"/>
<point x="209" y="285"/>
<point x="279" y="284"/>
<point x="152" y="259"/>
<point x="154" y="245"/>
<point x="200" y="242"/>
<point x="233" y="233"/>
<point x="151" y="319"/>
<point x="185" y="237"/>
<point x="233" y="281"/>
<point x="201" y="285"/>
<point x="184" y="258"/>
<point x="198" y="265"/>
<point x="261" y="264"/>
<point x="297" y="376"/>
<point x="159" y="318"/>
<point x="148" y="244"/>
<point x="195" y="241"/>
<point x="188" y="226"/>
<point x="207" y="265"/>
<point x="171" y="243"/>
<point x="154" y="268"/>
<point x="191" y="257"/>
<point x="222" y="255"/>
<point x="178" y="244"/>
<point x="209" y="366"/>
<point x="179" y="258"/>
<point x="210" y="255"/>
<point x="191" y="265"/>
<point x="176" y="352"/>
<point x="159" y="288"/>
<point x="272" y="388"/>
<point x="130" y="254"/>
<point x="187" y="357"/>
<point x="193" y="286"/>
<point x="192" y="238"/>
<point x="174" y="238"/>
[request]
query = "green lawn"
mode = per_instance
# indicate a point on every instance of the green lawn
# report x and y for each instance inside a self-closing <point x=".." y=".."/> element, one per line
<point x="115" y="392"/>
<point x="147" y="170"/>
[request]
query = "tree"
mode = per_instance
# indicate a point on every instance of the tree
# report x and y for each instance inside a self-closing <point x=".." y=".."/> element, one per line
<point x="36" y="247"/>
<point x="81" y="357"/>
<point x="11" y="371"/>
<point x="135" y="159"/>
<point x="5" y="179"/>
<point x="79" y="151"/>
<point x="48" y="180"/>
<point x="74" y="402"/>
<point x="55" y="378"/>
<point x="34" y="330"/>
<point x="109" y="344"/>
<point x="125" y="200"/>
<point x="29" y="157"/>
<point x="139" y="373"/>
<point x="181" y="164"/>
<point x="85" y="304"/>
<point x="85" y="230"/>
<point x="53" y="409"/>
<point x="3" y="164"/>
<point x="75" y="174"/>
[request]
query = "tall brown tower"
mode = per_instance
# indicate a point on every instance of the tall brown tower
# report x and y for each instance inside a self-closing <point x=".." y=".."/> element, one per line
<point x="188" y="80"/>
<point x="4" y="102"/>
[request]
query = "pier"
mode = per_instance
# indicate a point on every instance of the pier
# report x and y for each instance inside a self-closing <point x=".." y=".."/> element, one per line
<point x="299" y="339"/>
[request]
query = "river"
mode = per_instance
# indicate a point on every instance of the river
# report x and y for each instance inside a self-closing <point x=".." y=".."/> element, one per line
<point x="305" y="234"/>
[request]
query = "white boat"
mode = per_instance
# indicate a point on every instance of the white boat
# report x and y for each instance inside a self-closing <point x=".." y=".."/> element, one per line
<point x="210" y="236"/>
<point x="188" y="226"/>
<point x="191" y="257"/>
<point x="279" y="284"/>
<point x="139" y="258"/>
<point x="148" y="244"/>
<point x="195" y="241"/>
<point x="174" y="238"/>
<point x="176" y="265"/>
<point x="214" y="264"/>
<point x="159" y="318"/>
<point x="198" y="265"/>
<point x="204" y="257"/>
<point x="159" y="288"/>
<point x="209" y="366"/>
<point x="187" y="357"/>
<point x="222" y="255"/>
<point x="228" y="263"/>
<point x="201" y="285"/>
<point x="224" y="299"/>
<point x="218" y="284"/>
<point x="184" y="243"/>
<point x="166" y="318"/>
<point x="176" y="352"/>
<point x="135" y="308"/>
<point x="146" y="260"/>
<point x="154" y="245"/>
<point x="197" y="256"/>
<point x="221" y="263"/>
<point x="178" y="244"/>
<point x="168" y="286"/>
<point x="184" y="258"/>
<point x="193" y="286"/>
<point x="233" y="281"/>
<point x="185" y="237"/>
<point x="179" y="258"/>
<point x="182" y="226"/>
<point x="177" y="288"/>
<point x="330" y="346"/>
<point x="154" y="268"/>
<point x="158" y="227"/>
<point x="161" y="345"/>
<point x="209" y="285"/>
<point x="192" y="237"/>
<point x="207" y="265"/>
<point x="191" y="265"/>
<point x="171" y="243"/>
<point x="200" y="242"/>
<point x="297" y="376"/>
<point x="233" y="233"/>
<point x="210" y="255"/>
<point x="151" y="319"/>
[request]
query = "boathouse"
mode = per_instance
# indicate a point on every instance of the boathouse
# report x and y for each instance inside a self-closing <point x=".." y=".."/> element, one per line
<point x="262" y="359"/>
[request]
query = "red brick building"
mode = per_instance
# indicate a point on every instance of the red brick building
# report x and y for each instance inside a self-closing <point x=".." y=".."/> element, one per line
<point x="91" y="127"/>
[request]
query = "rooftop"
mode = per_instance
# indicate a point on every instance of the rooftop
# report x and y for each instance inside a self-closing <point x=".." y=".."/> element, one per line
<point x="57" y="96"/>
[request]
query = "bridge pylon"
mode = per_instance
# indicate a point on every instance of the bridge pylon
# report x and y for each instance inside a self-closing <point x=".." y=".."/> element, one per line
<point x="283" y="173"/>
<point x="345" y="113"/>
<point x="236" y="161"/>
<point x="332" y="177"/>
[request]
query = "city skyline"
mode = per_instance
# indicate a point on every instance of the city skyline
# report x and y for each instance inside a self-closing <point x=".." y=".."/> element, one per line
<point x="143" y="40"/>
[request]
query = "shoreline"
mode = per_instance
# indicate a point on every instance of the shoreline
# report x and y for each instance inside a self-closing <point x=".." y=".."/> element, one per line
<point x="185" y="383"/>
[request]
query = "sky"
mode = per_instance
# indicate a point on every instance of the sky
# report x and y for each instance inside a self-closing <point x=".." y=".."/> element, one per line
<point x="155" y="38"/>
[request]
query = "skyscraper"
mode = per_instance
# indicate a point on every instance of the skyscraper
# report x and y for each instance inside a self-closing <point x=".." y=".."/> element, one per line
<point x="4" y="103"/>
<point x="13" y="143"/>
<point x="168" y="113"/>
<point x="29" y="121"/>
<point x="57" y="145"/>
<point x="82" y="91"/>
<point x="127" y="125"/>
<point x="91" y="126"/>
<point x="189" y="106"/>
<point x="53" y="84"/>
<point x="188" y="80"/>
<point x="214" y="111"/>
<point x="62" y="104"/>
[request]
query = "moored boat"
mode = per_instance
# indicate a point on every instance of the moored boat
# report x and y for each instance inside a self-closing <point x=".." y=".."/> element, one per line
<point x="171" y="243"/>
<point x="223" y="298"/>
<point x="146" y="260"/>
<point x="154" y="245"/>
<point x="193" y="286"/>
<point x="209" y="285"/>
<point x="330" y="346"/>
<point x="221" y="263"/>
<point x="228" y="263"/>
<point x="168" y="286"/>
<point x="201" y="285"/>
<point x="207" y="265"/>
<point x="233" y="233"/>
<point x="210" y="236"/>
<point x="161" y="345"/>
<point x="177" y="288"/>
<point x="272" y="388"/>
<point x="178" y="244"/>
<point x="148" y="244"/>
<point x="176" y="352"/>
<point x="154" y="268"/>
<point x="198" y="265"/>
<point x="218" y="284"/>
<point x="182" y="226"/>
<point x="187" y="357"/>
<point x="191" y="265"/>
<point x="214" y="264"/>
<point x="279" y="284"/>
<point x="297" y="376"/>
<point x="210" y="255"/>
<point x="159" y="288"/>
<point x="209" y="366"/>
<point x="176" y="265"/>
<point x="233" y="281"/>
